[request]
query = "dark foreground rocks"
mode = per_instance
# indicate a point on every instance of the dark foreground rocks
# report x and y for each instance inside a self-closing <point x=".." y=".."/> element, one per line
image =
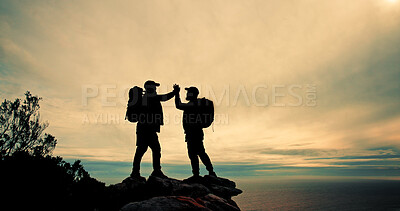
<point x="50" y="183"/>
<point x="204" y="193"/>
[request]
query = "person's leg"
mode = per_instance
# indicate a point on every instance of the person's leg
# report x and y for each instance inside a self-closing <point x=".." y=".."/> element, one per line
<point x="156" y="152"/>
<point x="140" y="150"/>
<point x="205" y="158"/>
<point x="194" y="160"/>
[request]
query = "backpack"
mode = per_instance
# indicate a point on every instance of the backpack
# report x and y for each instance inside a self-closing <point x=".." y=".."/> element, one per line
<point x="206" y="112"/>
<point x="134" y="107"/>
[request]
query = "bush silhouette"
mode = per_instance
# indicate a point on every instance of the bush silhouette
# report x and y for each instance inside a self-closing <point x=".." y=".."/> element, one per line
<point x="48" y="183"/>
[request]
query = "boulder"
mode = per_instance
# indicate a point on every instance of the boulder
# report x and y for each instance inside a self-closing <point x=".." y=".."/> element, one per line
<point x="160" y="193"/>
<point x="173" y="187"/>
<point x="219" y="186"/>
<point x="129" y="190"/>
<point x="171" y="203"/>
<point x="165" y="203"/>
<point x="214" y="202"/>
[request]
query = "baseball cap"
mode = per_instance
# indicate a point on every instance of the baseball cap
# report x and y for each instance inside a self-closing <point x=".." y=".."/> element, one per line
<point x="192" y="89"/>
<point x="151" y="83"/>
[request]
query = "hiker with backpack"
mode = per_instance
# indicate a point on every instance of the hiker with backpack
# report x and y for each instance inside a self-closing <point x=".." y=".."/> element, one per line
<point x="146" y="110"/>
<point x="197" y="114"/>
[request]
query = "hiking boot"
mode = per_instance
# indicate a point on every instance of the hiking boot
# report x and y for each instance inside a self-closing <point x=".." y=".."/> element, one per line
<point x="212" y="173"/>
<point x="194" y="178"/>
<point x="136" y="175"/>
<point x="158" y="173"/>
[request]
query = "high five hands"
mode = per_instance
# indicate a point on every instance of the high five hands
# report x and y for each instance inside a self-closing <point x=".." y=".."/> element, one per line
<point x="177" y="89"/>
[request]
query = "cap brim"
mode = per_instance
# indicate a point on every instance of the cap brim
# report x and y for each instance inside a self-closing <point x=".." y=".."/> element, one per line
<point x="187" y="88"/>
<point x="157" y="84"/>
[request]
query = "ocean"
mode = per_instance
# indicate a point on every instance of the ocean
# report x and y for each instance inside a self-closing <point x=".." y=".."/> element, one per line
<point x="280" y="192"/>
<point x="319" y="194"/>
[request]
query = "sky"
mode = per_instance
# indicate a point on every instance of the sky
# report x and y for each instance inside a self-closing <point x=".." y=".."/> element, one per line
<point x="301" y="87"/>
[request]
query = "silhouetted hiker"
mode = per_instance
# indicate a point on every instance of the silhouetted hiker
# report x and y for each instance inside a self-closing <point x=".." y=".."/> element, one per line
<point x="197" y="114"/>
<point x="148" y="125"/>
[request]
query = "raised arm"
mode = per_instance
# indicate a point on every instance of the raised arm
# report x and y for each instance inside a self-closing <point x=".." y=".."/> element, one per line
<point x="179" y="105"/>
<point x="166" y="97"/>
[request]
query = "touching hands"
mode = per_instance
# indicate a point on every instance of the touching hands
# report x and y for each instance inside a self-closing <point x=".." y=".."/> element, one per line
<point x="177" y="89"/>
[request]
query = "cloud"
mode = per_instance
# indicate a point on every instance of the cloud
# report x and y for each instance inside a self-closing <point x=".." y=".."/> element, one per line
<point x="300" y="152"/>
<point x="386" y="150"/>
<point x="372" y="163"/>
<point x="360" y="157"/>
<point x="349" y="50"/>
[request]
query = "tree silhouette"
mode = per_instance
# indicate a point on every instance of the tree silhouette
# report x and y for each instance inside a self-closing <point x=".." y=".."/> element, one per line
<point x="21" y="129"/>
<point x="30" y="175"/>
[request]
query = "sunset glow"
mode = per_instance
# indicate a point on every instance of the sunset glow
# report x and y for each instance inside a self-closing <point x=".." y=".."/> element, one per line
<point x="299" y="86"/>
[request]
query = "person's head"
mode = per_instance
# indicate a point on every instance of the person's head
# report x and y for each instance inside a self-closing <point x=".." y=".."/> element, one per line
<point x="192" y="93"/>
<point x="151" y="86"/>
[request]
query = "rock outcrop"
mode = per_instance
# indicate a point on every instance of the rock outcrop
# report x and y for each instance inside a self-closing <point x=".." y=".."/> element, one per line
<point x="203" y="193"/>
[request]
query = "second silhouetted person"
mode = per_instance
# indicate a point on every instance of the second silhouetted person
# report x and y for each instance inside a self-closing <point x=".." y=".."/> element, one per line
<point x="196" y="116"/>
